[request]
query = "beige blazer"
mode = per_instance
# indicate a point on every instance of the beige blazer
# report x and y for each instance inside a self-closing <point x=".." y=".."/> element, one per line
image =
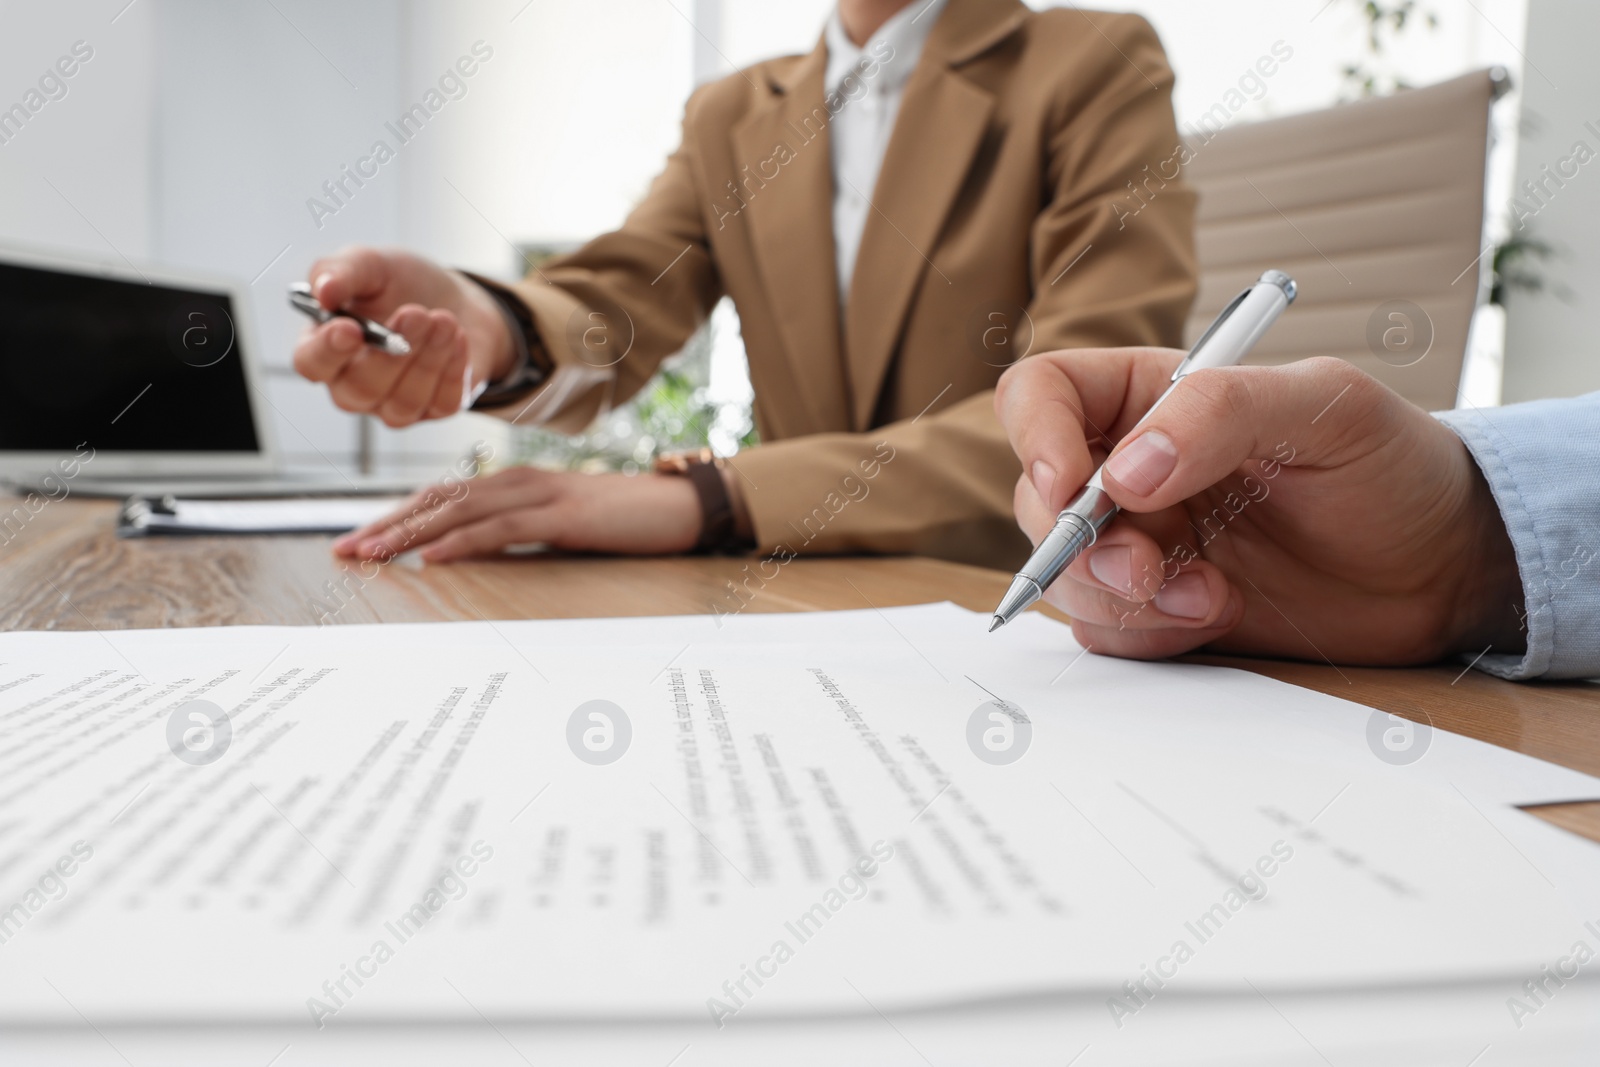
<point x="1015" y="212"/>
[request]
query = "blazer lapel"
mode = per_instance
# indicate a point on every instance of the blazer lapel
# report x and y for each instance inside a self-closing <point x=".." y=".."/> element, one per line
<point x="789" y="209"/>
<point x="940" y="126"/>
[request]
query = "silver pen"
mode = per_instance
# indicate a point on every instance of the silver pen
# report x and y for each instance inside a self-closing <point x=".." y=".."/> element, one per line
<point x="1228" y="339"/>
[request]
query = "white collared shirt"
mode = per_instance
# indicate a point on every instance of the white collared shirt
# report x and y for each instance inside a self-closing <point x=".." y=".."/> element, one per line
<point x="862" y="88"/>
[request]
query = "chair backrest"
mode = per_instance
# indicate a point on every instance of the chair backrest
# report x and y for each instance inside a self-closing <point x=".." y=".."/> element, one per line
<point x="1376" y="208"/>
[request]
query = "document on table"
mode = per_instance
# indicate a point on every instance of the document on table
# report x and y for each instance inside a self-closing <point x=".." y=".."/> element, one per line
<point x="144" y="516"/>
<point x="703" y="819"/>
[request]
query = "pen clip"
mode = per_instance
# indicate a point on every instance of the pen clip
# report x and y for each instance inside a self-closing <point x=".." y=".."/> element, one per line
<point x="1227" y="312"/>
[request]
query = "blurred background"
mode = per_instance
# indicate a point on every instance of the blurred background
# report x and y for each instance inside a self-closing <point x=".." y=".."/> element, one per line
<point x="200" y="134"/>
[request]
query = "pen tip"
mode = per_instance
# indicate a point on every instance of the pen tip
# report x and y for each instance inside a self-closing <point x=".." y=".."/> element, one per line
<point x="998" y="622"/>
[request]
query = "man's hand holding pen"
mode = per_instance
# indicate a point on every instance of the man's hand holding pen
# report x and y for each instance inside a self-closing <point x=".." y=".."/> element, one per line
<point x="1303" y="511"/>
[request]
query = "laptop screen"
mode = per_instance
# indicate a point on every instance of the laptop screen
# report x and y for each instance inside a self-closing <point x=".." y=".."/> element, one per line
<point x="122" y="365"/>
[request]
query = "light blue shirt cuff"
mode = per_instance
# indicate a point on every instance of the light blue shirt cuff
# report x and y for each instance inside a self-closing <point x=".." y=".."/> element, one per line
<point x="1542" y="462"/>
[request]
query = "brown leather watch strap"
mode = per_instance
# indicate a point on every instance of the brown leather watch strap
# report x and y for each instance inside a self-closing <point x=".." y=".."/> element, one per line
<point x="531" y="362"/>
<point x="704" y="471"/>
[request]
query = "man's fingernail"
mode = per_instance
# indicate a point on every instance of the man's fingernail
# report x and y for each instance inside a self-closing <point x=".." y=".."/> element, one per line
<point x="1113" y="565"/>
<point x="1185" y="597"/>
<point x="319" y="281"/>
<point x="1144" y="464"/>
<point x="1044" y="479"/>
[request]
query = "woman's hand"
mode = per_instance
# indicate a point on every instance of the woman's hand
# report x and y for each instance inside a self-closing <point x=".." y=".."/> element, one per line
<point x="1303" y="511"/>
<point x="457" y="334"/>
<point x="642" y="514"/>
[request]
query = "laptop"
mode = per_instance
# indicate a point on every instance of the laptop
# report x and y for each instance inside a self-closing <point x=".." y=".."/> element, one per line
<point x="150" y="373"/>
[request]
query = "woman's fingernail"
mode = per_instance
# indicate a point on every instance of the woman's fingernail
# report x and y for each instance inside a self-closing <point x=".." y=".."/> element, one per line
<point x="1044" y="479"/>
<point x="1113" y="565"/>
<point x="318" y="282"/>
<point x="1145" y="463"/>
<point x="1185" y="597"/>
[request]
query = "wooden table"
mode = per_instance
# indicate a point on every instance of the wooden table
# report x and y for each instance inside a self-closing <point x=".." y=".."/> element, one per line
<point x="66" y="571"/>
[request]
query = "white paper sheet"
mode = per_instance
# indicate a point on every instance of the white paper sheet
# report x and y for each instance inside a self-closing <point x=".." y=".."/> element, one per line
<point x="1035" y="653"/>
<point x="313" y="514"/>
<point x="1388" y="1027"/>
<point x="421" y="788"/>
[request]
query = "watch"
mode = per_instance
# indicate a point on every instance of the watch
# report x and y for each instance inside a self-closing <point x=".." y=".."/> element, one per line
<point x="531" y="364"/>
<point x="704" y="471"/>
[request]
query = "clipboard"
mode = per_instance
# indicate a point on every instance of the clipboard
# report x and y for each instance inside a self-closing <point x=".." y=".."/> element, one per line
<point x="172" y="516"/>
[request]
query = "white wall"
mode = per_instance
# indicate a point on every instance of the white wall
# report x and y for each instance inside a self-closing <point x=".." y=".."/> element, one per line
<point x="1550" y="337"/>
<point x="574" y="115"/>
<point x="93" y="145"/>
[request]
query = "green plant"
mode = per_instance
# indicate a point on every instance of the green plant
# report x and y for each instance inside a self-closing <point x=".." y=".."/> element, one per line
<point x="1372" y="75"/>
<point x="673" y="413"/>
<point x="1515" y="268"/>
